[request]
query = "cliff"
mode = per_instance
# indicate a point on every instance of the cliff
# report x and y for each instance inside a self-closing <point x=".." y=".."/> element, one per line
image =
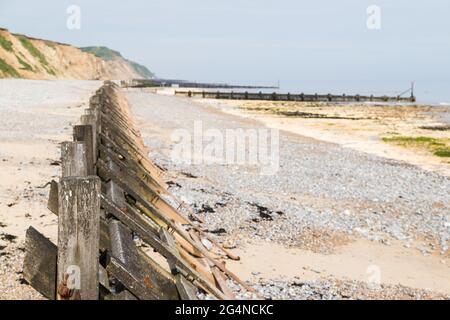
<point x="30" y="58"/>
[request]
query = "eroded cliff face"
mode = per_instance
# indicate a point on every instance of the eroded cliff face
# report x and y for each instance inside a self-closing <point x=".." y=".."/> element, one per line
<point x="29" y="58"/>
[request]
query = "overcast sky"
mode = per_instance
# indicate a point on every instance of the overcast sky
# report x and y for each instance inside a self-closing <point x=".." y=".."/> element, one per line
<point x="321" y="45"/>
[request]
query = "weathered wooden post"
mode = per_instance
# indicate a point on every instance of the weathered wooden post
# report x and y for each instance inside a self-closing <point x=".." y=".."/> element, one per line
<point x="79" y="220"/>
<point x="78" y="238"/>
<point x="86" y="134"/>
<point x="73" y="159"/>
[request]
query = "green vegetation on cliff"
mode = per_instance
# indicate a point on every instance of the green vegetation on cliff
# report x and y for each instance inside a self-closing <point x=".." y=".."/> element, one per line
<point x="142" y="70"/>
<point x="103" y="52"/>
<point x="109" y="54"/>
<point x="25" y="66"/>
<point x="5" y="44"/>
<point x="8" y="70"/>
<point x="26" y="43"/>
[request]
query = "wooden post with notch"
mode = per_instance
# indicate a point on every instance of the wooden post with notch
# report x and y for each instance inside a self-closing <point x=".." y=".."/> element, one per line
<point x="78" y="222"/>
<point x="85" y="133"/>
<point x="78" y="238"/>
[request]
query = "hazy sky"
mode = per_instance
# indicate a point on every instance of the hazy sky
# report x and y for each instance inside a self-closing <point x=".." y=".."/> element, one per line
<point x="321" y="45"/>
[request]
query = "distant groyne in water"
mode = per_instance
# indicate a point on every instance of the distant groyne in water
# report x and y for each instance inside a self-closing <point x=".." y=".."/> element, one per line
<point x="292" y="97"/>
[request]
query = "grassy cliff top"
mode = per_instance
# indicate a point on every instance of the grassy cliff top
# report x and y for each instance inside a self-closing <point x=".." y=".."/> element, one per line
<point x="109" y="54"/>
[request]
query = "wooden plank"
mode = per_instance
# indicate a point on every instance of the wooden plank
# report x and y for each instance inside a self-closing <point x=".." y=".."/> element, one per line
<point x="105" y="172"/>
<point x="105" y="241"/>
<point x="114" y="153"/>
<point x="52" y="203"/>
<point x="103" y="277"/>
<point x="116" y="195"/>
<point x="85" y="133"/>
<point x="185" y="288"/>
<point x="221" y="282"/>
<point x="73" y="159"/>
<point x="121" y="296"/>
<point x="90" y="119"/>
<point x="39" y="266"/>
<point x="148" y="232"/>
<point x="168" y="239"/>
<point x="140" y="277"/>
<point x="111" y="132"/>
<point x="78" y="238"/>
<point x="118" y="177"/>
<point x="140" y="190"/>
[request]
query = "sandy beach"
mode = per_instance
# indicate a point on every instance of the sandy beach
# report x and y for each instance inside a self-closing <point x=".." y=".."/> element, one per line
<point x="336" y="213"/>
<point x="331" y="223"/>
<point x="36" y="116"/>
<point x="359" y="127"/>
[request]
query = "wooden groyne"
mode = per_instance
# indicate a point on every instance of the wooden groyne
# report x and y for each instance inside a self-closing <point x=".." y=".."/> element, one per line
<point x="168" y="83"/>
<point x="230" y="95"/>
<point x="111" y="194"/>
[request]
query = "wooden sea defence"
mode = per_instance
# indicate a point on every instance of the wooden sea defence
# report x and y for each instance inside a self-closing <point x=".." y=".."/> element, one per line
<point x="230" y="95"/>
<point x="117" y="222"/>
<point x="167" y="83"/>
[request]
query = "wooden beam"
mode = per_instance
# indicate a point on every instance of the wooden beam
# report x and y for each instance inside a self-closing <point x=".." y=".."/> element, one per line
<point x="78" y="238"/>
<point x="140" y="190"/>
<point x="52" y="203"/>
<point x="73" y="159"/>
<point x="91" y="120"/>
<point x="121" y="296"/>
<point x="185" y="288"/>
<point x="85" y="133"/>
<point x="39" y="266"/>
<point x="148" y="232"/>
<point x="116" y="154"/>
<point x="141" y="278"/>
<point x="221" y="282"/>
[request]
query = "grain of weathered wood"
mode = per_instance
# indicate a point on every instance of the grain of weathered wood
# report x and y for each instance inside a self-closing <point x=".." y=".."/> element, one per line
<point x="186" y="289"/>
<point x="116" y="154"/>
<point x="103" y="277"/>
<point x="167" y="238"/>
<point x="39" y="267"/>
<point x="221" y="282"/>
<point x="52" y="203"/>
<point x="140" y="190"/>
<point x="148" y="231"/>
<point x="85" y="133"/>
<point x="118" y="178"/>
<point x="78" y="237"/>
<point x="116" y="194"/>
<point x="90" y="119"/>
<point x="121" y="296"/>
<point x="136" y="274"/>
<point x="105" y="241"/>
<point x="73" y="159"/>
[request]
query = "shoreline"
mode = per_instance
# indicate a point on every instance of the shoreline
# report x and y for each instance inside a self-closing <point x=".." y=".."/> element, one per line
<point x="366" y="138"/>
